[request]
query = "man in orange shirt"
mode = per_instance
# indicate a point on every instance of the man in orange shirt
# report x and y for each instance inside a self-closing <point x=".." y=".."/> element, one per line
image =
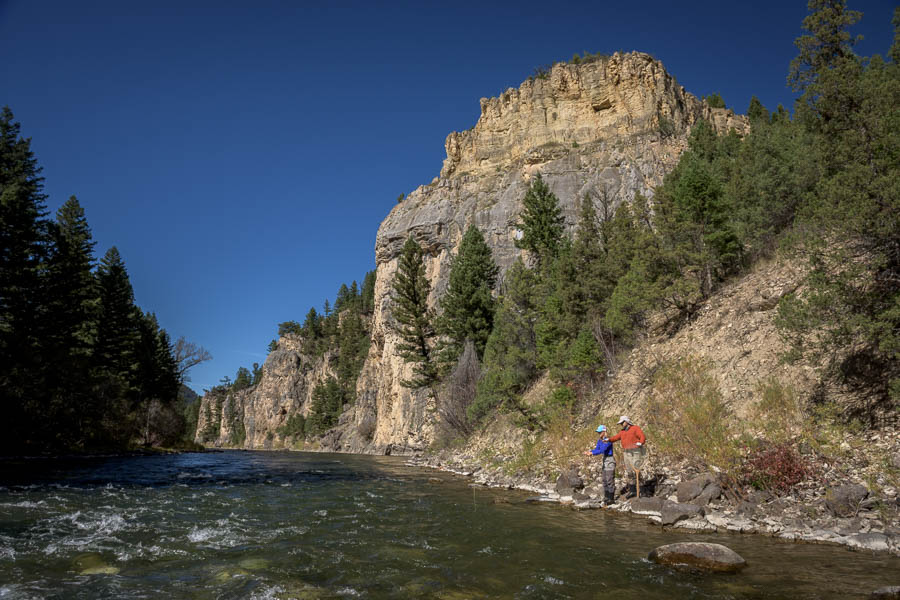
<point x="633" y="440"/>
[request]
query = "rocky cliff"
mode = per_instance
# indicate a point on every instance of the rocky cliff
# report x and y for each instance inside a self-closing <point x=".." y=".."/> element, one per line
<point x="609" y="128"/>
<point x="255" y="417"/>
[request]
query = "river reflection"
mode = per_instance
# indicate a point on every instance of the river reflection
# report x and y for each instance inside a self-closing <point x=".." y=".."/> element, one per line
<point x="299" y="525"/>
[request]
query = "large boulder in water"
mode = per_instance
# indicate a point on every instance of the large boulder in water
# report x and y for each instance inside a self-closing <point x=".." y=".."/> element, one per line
<point x="699" y="555"/>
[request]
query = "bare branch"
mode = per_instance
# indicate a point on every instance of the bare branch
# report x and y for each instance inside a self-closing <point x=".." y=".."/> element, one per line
<point x="188" y="355"/>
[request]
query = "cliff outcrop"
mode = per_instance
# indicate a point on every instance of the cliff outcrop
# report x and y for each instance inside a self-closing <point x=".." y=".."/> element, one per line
<point x="609" y="128"/>
<point x="255" y="417"/>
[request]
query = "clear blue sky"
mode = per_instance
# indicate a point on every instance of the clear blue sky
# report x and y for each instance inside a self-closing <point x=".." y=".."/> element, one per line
<point x="242" y="154"/>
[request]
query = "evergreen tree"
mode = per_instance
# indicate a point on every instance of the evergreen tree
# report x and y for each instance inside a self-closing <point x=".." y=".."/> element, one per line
<point x="326" y="406"/>
<point x="367" y="294"/>
<point x="353" y="343"/>
<point x="256" y="374"/>
<point x="117" y="340"/>
<point x="851" y="224"/>
<point x="242" y="379"/>
<point x="468" y="306"/>
<point x="510" y="355"/>
<point x="23" y="250"/>
<point x="414" y="319"/>
<point x="72" y="311"/>
<point x="542" y="222"/>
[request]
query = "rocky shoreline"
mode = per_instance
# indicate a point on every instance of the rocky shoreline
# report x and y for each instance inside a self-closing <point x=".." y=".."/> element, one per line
<point x="847" y="515"/>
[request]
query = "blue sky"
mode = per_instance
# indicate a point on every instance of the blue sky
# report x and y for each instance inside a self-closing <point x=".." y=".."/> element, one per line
<point x="242" y="154"/>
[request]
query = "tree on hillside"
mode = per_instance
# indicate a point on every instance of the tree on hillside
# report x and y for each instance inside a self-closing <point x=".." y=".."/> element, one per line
<point x="850" y="227"/>
<point x="242" y="379"/>
<point x="468" y="306"/>
<point x="510" y="355"/>
<point x="414" y="319"/>
<point x="542" y="221"/>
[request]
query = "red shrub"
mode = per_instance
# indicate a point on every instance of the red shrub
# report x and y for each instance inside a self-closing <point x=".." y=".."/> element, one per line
<point x="776" y="468"/>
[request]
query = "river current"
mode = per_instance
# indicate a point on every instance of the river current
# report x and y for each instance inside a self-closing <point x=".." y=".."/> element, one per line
<point x="298" y="525"/>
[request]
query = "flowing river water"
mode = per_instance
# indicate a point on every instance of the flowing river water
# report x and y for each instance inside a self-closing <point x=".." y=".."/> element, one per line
<point x="297" y="525"/>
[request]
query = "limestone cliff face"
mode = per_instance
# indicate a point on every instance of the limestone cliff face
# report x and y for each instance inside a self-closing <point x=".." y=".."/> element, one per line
<point x="251" y="418"/>
<point x="609" y="128"/>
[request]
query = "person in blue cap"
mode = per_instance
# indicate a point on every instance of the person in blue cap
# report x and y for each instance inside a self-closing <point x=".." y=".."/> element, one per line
<point x="604" y="448"/>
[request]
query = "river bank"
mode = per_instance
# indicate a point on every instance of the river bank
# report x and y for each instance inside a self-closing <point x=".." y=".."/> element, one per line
<point x="676" y="498"/>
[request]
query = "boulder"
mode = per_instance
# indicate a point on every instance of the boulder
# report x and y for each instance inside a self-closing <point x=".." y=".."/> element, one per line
<point x="699" y="555"/>
<point x="672" y="512"/>
<point x="891" y="592"/>
<point x="690" y="489"/>
<point x="647" y="506"/>
<point x="844" y="501"/>
<point x="567" y="482"/>
<point x="709" y="493"/>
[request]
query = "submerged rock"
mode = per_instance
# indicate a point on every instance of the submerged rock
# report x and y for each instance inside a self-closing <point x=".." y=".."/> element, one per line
<point x="699" y="555"/>
<point x="93" y="564"/>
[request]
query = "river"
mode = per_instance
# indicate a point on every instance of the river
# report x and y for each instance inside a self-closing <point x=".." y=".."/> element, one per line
<point x="299" y="525"/>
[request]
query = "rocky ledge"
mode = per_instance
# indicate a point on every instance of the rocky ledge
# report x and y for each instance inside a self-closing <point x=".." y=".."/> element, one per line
<point x="848" y="514"/>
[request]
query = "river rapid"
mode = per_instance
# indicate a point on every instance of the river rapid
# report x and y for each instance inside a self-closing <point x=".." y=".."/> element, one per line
<point x="299" y="525"/>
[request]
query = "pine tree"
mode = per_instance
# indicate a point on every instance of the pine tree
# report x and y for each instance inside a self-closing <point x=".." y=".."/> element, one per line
<point x="367" y="294"/>
<point x="118" y="336"/>
<point x="257" y="374"/>
<point x="414" y="319"/>
<point x="510" y="355"/>
<point x="468" y="306"/>
<point x="73" y="308"/>
<point x="242" y="379"/>
<point x="850" y="229"/>
<point x="326" y="406"/>
<point x="23" y="250"/>
<point x="542" y="222"/>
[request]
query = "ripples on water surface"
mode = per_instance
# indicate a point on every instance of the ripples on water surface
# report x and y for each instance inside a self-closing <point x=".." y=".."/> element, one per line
<point x="297" y="525"/>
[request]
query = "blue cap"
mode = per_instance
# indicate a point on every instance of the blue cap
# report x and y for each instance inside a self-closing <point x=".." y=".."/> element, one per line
<point x="601" y="429"/>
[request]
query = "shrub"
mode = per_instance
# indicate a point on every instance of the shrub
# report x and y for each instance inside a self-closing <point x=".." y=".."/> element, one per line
<point x="294" y="427"/>
<point x="289" y="327"/>
<point x="776" y="468"/>
<point x="666" y="127"/>
<point x="687" y="418"/>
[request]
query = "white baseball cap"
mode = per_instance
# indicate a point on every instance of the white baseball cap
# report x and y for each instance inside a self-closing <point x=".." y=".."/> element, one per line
<point x="623" y="419"/>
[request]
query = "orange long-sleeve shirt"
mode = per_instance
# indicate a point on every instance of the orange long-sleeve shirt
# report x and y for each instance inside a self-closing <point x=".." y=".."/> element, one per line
<point x="630" y="437"/>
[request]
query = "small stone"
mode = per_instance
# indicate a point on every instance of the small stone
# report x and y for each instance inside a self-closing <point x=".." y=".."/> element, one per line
<point x="700" y="555"/>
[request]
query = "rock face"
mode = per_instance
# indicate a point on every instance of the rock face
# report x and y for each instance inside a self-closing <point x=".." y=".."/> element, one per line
<point x="256" y="417"/>
<point x="699" y="555"/>
<point x="610" y="129"/>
